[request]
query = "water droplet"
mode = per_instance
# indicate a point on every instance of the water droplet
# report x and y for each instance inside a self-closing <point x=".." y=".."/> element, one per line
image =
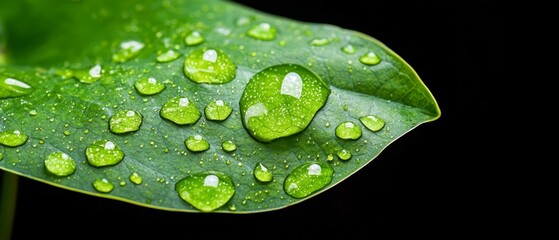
<point x="308" y="178"/>
<point x="135" y="178"/>
<point x="180" y="111"/>
<point x="197" y="143"/>
<point x="209" y="66"/>
<point x="262" y="173"/>
<point x="194" y="38"/>
<point x="149" y="86"/>
<point x="349" y="49"/>
<point x="344" y="154"/>
<point x="33" y="112"/>
<point x="206" y="191"/>
<point x="12" y="138"/>
<point x="348" y="130"/>
<point x="218" y="110"/>
<point x="319" y="42"/>
<point x="168" y="56"/>
<point x="125" y="121"/>
<point x="127" y="50"/>
<point x="103" y="153"/>
<point x="228" y="146"/>
<point x="60" y="164"/>
<point x="372" y="122"/>
<point x="262" y="31"/>
<point x="89" y="75"/>
<point x="281" y="101"/>
<point x="10" y="87"/>
<point x="370" y="58"/>
<point x="103" y="185"/>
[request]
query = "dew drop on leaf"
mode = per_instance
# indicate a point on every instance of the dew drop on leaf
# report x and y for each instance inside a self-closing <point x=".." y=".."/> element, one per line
<point x="125" y="121"/>
<point x="127" y="50"/>
<point x="168" y="56"/>
<point x="372" y="122"/>
<point x="149" y="86"/>
<point x="262" y="31"/>
<point x="135" y="178"/>
<point x="197" y="143"/>
<point x="10" y="87"/>
<point x="262" y="173"/>
<point x="349" y="49"/>
<point x="207" y="65"/>
<point x="370" y="58"/>
<point x="217" y="110"/>
<point x="206" y="191"/>
<point x="12" y="138"/>
<point x="103" y="153"/>
<point x="348" y="130"/>
<point x="180" y="110"/>
<point x="60" y="164"/>
<point x="194" y="38"/>
<point x="103" y="185"/>
<point x="344" y="154"/>
<point x="228" y="146"/>
<point x="308" y="178"/>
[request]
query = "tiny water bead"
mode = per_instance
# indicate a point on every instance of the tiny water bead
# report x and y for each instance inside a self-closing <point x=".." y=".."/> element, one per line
<point x="89" y="75"/>
<point x="218" y="110"/>
<point x="60" y="164"/>
<point x="10" y="87"/>
<point x="197" y="143"/>
<point x="348" y="130"/>
<point x="103" y="185"/>
<point x="127" y="50"/>
<point x="228" y="146"/>
<point x="207" y="65"/>
<point x="181" y="111"/>
<point x="149" y="86"/>
<point x="317" y="42"/>
<point x="168" y="56"/>
<point x="262" y="173"/>
<point x="12" y="138"/>
<point x="194" y="38"/>
<point x="372" y="122"/>
<point x="370" y="58"/>
<point x="206" y="191"/>
<point x="125" y="121"/>
<point x="281" y="100"/>
<point x="262" y="31"/>
<point x="308" y="178"/>
<point x="135" y="178"/>
<point x="349" y="49"/>
<point x="344" y="154"/>
<point x="103" y="153"/>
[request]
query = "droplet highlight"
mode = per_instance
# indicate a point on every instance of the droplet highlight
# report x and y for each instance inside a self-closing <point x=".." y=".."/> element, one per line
<point x="11" y="87"/>
<point x="149" y="86"/>
<point x="125" y="121"/>
<point x="103" y="153"/>
<point x="60" y="164"/>
<point x="218" y="110"/>
<point x="348" y="130"/>
<point x="180" y="110"/>
<point x="206" y="191"/>
<point x="206" y="65"/>
<point x="12" y="138"/>
<point x="308" y="178"/>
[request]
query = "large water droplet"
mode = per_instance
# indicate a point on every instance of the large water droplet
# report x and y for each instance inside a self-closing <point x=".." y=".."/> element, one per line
<point x="372" y="122"/>
<point x="262" y="31"/>
<point x="103" y="185"/>
<point x="281" y="101"/>
<point x="206" y="191"/>
<point x="262" y="173"/>
<point x="370" y="58"/>
<point x="180" y="111"/>
<point x="206" y="65"/>
<point x="149" y="86"/>
<point x="197" y="143"/>
<point x="194" y="38"/>
<point x="127" y="50"/>
<point x="168" y="56"/>
<point x="136" y="178"/>
<point x="228" y="146"/>
<point x="125" y="121"/>
<point x="60" y="164"/>
<point x="308" y="178"/>
<point x="218" y="110"/>
<point x="10" y="87"/>
<point x="12" y="138"/>
<point x="103" y="153"/>
<point x="348" y="130"/>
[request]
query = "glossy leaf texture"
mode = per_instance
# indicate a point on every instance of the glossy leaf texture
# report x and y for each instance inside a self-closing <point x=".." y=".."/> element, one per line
<point x="132" y="98"/>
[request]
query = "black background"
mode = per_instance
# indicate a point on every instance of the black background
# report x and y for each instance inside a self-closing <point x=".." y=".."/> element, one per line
<point x="425" y="183"/>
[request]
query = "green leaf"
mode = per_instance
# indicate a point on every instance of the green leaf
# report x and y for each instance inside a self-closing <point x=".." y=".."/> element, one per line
<point x="68" y="67"/>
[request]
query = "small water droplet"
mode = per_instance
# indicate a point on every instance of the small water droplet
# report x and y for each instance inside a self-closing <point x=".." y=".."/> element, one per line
<point x="344" y="154"/>
<point x="66" y="133"/>
<point x="10" y="87"/>
<point x="197" y="143"/>
<point x="228" y="146"/>
<point x="308" y="178"/>
<point x="168" y="56"/>
<point x="135" y="178"/>
<point x="12" y="138"/>
<point x="127" y="50"/>
<point x="60" y="164"/>
<point x="372" y="122"/>
<point x="262" y="173"/>
<point x="370" y="58"/>
<point x="281" y="100"/>
<point x="33" y="112"/>
<point x="262" y="31"/>
<point x="349" y="49"/>
<point x="103" y="153"/>
<point x="206" y="65"/>
<point x="319" y="42"/>
<point x="103" y="185"/>
<point x="89" y="75"/>
<point x="330" y="157"/>
<point x="149" y="86"/>
<point x="180" y="111"/>
<point x="206" y="191"/>
<point x="194" y="38"/>
<point x="348" y="130"/>
<point x="218" y="110"/>
<point x="125" y="121"/>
